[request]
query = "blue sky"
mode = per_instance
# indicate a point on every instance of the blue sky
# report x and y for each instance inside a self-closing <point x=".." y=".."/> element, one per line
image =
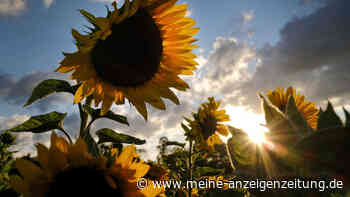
<point x="36" y="34"/>
<point x="234" y="36"/>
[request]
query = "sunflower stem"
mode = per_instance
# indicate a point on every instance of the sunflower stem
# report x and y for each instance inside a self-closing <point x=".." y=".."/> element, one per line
<point x="258" y="160"/>
<point x="190" y="166"/>
<point x="230" y="158"/>
<point x="90" y="123"/>
<point x="84" y="115"/>
<point x="65" y="133"/>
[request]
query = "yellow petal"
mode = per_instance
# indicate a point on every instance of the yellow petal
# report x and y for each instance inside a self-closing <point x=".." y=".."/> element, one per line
<point x="59" y="143"/>
<point x="57" y="162"/>
<point x="125" y="13"/>
<point x="106" y="105"/>
<point x="30" y="172"/>
<point x="163" y="7"/>
<point x="126" y="156"/>
<point x="43" y="155"/>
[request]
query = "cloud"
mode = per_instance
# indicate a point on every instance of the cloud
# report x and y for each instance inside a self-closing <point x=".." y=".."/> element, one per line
<point x="24" y="141"/>
<point x="226" y="64"/>
<point x="241" y="25"/>
<point x="48" y="3"/>
<point x="312" y="54"/>
<point x="16" y="90"/>
<point x="247" y="16"/>
<point x="12" y="7"/>
<point x="189" y="13"/>
<point x="226" y="68"/>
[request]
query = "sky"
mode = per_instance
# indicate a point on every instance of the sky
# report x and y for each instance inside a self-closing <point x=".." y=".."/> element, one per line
<point x="245" y="47"/>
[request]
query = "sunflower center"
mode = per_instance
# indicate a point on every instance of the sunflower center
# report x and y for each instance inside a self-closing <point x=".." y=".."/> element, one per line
<point x="131" y="55"/>
<point x="81" y="182"/>
<point x="209" y="126"/>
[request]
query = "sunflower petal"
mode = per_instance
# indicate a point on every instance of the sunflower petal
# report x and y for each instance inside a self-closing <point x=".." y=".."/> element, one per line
<point x="30" y="172"/>
<point x="43" y="155"/>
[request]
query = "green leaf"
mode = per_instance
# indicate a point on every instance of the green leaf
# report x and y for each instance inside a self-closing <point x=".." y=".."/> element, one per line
<point x="326" y="150"/>
<point x="108" y="135"/>
<point x="280" y="128"/>
<point x="174" y="143"/>
<point x="275" y="119"/>
<point x="347" y="117"/>
<point x="7" y="167"/>
<point x="91" y="144"/>
<point x="328" y="118"/>
<point x="208" y="171"/>
<point x="41" y="123"/>
<point x="296" y="119"/>
<point x="48" y="87"/>
<point x="96" y="114"/>
<point x="241" y="149"/>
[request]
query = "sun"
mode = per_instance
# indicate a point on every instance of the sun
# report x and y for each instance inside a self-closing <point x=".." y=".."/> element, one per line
<point x="257" y="136"/>
<point x="248" y="121"/>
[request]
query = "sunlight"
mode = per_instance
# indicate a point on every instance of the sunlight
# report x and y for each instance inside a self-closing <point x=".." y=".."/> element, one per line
<point x="249" y="122"/>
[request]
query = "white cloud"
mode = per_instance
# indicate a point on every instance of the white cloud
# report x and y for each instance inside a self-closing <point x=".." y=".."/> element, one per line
<point x="247" y="16"/>
<point x="189" y="13"/>
<point x="48" y="3"/>
<point x="12" y="7"/>
<point x="8" y="122"/>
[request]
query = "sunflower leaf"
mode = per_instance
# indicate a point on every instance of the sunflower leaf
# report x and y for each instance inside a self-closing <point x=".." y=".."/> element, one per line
<point x="296" y="119"/>
<point x="47" y="88"/>
<point x="241" y="148"/>
<point x="347" y="117"/>
<point x="326" y="150"/>
<point x="328" y="118"/>
<point x="108" y="135"/>
<point x="96" y="114"/>
<point x="208" y="171"/>
<point x="277" y="122"/>
<point x="175" y="143"/>
<point x="41" y="123"/>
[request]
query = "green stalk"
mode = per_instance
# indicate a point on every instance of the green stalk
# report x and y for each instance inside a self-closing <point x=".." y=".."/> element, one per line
<point x="65" y="133"/>
<point x="257" y="164"/>
<point x="230" y="158"/>
<point x="190" y="166"/>
<point x="84" y="115"/>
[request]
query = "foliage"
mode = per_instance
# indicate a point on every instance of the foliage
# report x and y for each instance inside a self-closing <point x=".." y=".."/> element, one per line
<point x="293" y="147"/>
<point x="7" y="167"/>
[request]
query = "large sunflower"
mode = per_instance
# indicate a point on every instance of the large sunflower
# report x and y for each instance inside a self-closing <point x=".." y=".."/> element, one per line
<point x="69" y="170"/>
<point x="206" y="125"/>
<point x="279" y="98"/>
<point x="136" y="52"/>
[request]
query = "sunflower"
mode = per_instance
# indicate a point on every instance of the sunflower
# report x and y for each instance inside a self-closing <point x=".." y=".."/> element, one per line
<point x="279" y="98"/>
<point x="157" y="172"/>
<point x="69" y="170"/>
<point x="135" y="53"/>
<point x="206" y="125"/>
